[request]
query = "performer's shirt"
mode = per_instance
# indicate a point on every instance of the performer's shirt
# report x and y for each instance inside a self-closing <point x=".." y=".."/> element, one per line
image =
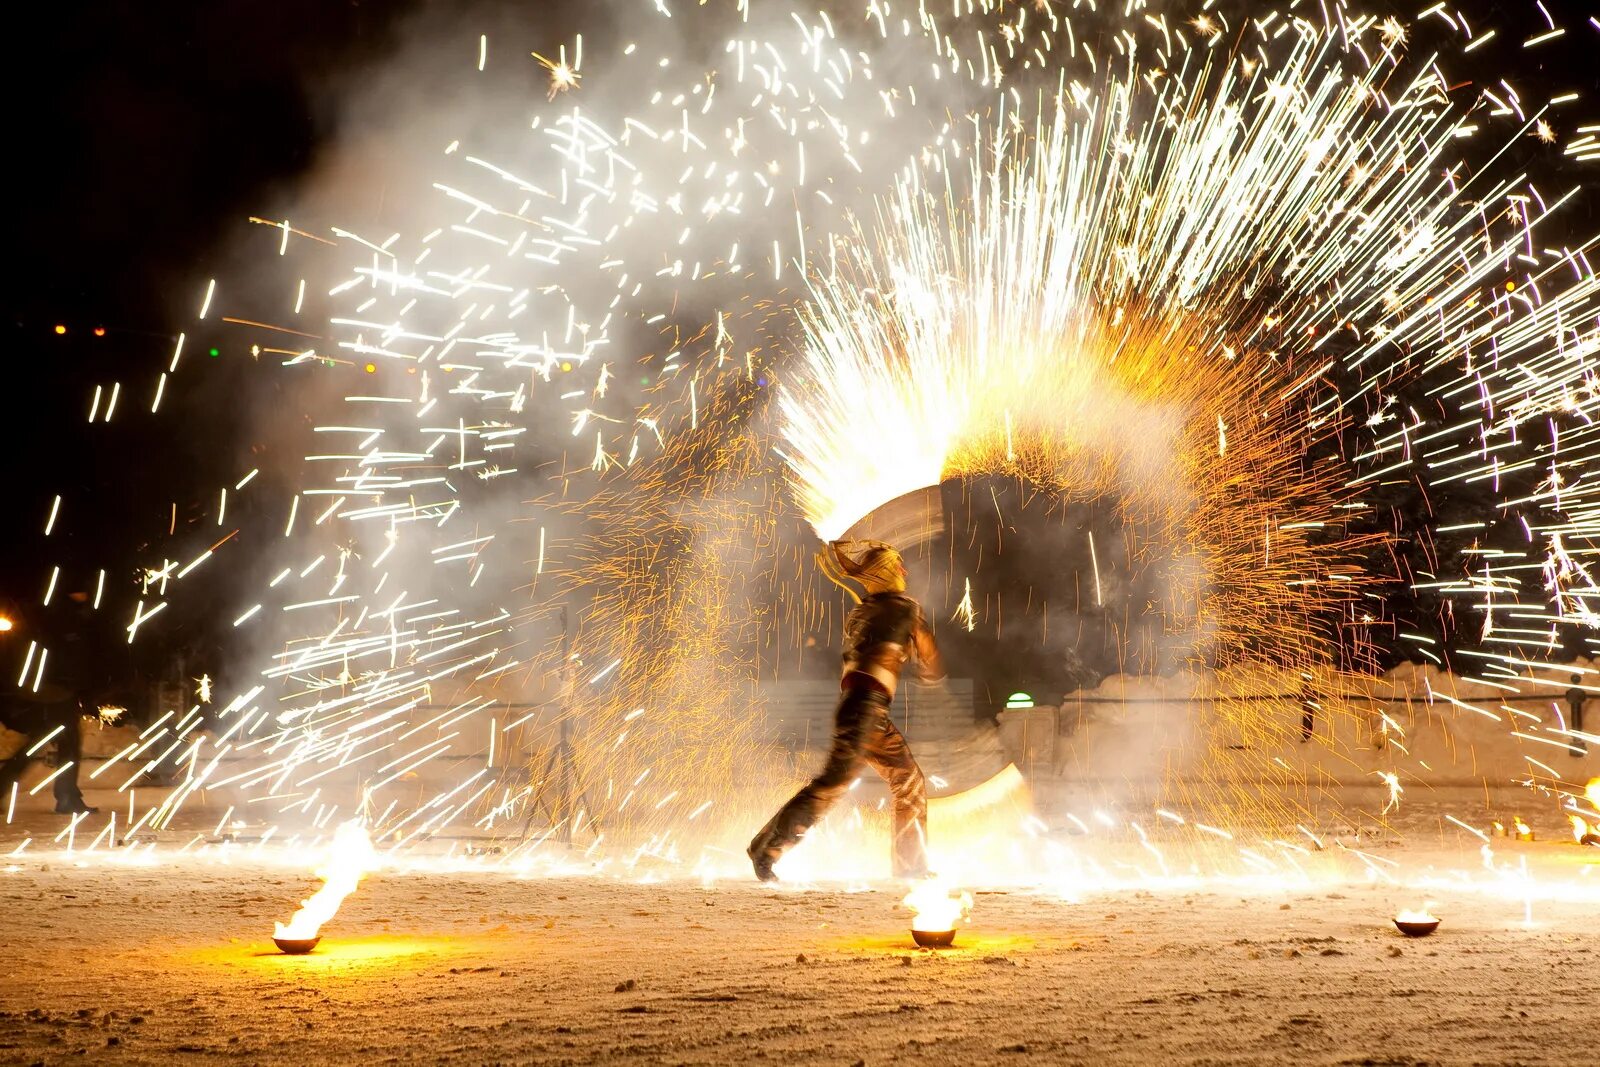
<point x="882" y="633"/>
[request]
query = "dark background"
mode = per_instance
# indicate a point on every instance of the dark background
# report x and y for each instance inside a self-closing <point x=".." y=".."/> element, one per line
<point x="142" y="137"/>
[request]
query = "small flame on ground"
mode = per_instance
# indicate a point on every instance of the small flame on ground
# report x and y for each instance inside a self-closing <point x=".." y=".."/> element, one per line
<point x="349" y="858"/>
<point x="934" y="908"/>
<point x="1582" y="831"/>
<point x="1417" y="915"/>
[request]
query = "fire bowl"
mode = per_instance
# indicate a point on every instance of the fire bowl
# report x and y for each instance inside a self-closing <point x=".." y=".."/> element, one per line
<point x="296" y="946"/>
<point x="1416" y="929"/>
<point x="934" y="938"/>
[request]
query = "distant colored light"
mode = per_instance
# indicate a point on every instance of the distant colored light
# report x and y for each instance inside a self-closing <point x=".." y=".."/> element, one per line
<point x="761" y="382"/>
<point x="60" y="328"/>
<point x="644" y="379"/>
<point x="215" y="352"/>
<point x="372" y="368"/>
<point x="566" y="366"/>
<point x="1511" y="287"/>
<point x="5" y="625"/>
<point x="99" y="331"/>
<point x="1019" y="700"/>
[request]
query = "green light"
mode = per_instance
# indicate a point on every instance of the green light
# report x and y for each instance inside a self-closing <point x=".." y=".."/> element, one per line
<point x="1019" y="700"/>
<point x="215" y="352"/>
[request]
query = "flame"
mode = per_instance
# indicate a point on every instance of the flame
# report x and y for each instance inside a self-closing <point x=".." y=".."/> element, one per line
<point x="1592" y="791"/>
<point x="1522" y="828"/>
<point x="934" y="908"/>
<point x="1417" y="915"/>
<point x="349" y="858"/>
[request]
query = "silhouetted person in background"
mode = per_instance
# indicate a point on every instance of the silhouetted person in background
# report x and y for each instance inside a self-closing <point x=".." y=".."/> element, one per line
<point x="52" y="710"/>
<point x="1308" y="711"/>
<point x="882" y="633"/>
<point x="46" y="709"/>
<point x="1576" y="698"/>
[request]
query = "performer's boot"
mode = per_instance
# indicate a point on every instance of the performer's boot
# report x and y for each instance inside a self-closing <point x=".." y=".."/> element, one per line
<point x="762" y="858"/>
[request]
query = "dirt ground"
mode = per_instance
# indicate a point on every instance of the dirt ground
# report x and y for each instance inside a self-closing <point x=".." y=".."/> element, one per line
<point x="170" y="960"/>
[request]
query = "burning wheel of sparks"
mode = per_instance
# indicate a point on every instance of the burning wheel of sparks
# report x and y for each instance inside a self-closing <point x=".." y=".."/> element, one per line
<point x="1237" y="285"/>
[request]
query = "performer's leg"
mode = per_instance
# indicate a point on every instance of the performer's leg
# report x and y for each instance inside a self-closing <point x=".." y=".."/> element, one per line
<point x="855" y="715"/>
<point x="891" y="757"/>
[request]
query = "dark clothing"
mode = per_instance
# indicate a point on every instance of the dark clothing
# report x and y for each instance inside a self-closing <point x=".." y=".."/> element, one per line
<point x="1576" y="698"/>
<point x="1308" y="714"/>
<point x="880" y="617"/>
<point x="862" y="732"/>
<point x="35" y="721"/>
<point x="882" y="633"/>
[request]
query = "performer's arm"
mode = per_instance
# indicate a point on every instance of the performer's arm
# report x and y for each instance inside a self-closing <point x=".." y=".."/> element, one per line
<point x="930" y="665"/>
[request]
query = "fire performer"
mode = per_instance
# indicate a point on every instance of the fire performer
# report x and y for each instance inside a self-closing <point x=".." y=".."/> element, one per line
<point x="883" y="632"/>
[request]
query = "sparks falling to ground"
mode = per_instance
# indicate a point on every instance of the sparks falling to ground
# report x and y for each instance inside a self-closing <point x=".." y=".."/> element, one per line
<point x="536" y="562"/>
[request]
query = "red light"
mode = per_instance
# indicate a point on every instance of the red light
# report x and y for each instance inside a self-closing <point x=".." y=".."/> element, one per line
<point x="60" y="329"/>
<point x="99" y="331"/>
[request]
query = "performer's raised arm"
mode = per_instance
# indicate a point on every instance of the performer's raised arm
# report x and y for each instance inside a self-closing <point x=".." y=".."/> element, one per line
<point x="930" y="665"/>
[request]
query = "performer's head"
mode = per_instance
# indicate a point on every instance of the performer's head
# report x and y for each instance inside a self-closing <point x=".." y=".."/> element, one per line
<point x="877" y="570"/>
<point x="881" y="570"/>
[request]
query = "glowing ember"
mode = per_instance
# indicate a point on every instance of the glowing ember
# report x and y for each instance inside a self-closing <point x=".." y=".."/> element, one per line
<point x="350" y="857"/>
<point x="934" y="908"/>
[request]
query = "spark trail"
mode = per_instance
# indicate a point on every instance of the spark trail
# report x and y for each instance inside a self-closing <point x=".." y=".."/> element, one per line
<point x="1197" y="267"/>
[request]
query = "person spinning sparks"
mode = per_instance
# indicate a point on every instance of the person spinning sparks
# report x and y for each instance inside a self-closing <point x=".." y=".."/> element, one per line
<point x="883" y="632"/>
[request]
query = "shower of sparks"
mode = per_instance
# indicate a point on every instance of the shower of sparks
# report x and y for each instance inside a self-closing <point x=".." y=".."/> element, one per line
<point x="964" y="612"/>
<point x="1154" y="270"/>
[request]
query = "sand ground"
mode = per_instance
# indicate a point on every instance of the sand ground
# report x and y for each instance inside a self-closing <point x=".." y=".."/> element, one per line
<point x="171" y="961"/>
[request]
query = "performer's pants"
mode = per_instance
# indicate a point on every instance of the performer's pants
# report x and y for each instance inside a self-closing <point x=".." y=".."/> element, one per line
<point x="862" y="732"/>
